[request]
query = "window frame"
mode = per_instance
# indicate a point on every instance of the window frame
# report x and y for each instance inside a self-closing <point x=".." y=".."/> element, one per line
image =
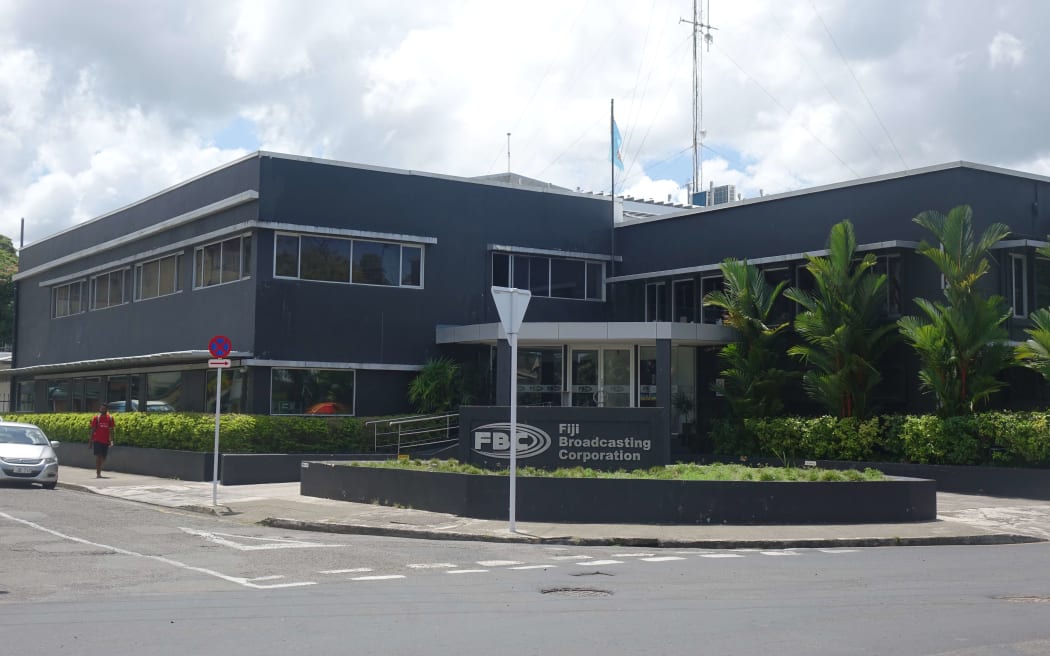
<point x="138" y="273"/>
<point x="244" y="254"/>
<point x="1015" y="260"/>
<point x="530" y="261"/>
<point x="124" y="274"/>
<point x="353" y="242"/>
<point x="82" y="305"/>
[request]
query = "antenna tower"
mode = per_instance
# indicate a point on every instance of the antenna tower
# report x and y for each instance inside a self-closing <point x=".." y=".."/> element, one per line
<point x="701" y="30"/>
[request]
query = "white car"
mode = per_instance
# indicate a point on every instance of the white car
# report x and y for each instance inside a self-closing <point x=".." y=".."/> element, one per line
<point x="27" y="455"/>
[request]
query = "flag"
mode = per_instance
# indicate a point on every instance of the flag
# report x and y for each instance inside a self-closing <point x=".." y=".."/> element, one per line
<point x="617" y="143"/>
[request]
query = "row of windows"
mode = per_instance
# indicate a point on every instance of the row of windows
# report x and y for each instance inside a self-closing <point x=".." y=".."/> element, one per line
<point x="214" y="264"/>
<point x="356" y="261"/>
<point x="550" y="276"/>
<point x="682" y="300"/>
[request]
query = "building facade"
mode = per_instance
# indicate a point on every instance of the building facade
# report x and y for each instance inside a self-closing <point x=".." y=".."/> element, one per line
<point x="337" y="282"/>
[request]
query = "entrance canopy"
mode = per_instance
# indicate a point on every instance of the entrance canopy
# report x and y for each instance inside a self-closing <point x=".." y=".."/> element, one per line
<point x="591" y="332"/>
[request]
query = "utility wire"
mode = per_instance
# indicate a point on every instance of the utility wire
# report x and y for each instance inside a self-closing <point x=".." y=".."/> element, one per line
<point x="859" y="85"/>
<point x="786" y="111"/>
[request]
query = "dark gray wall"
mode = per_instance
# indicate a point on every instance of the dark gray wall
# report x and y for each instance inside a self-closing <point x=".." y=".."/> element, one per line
<point x="358" y="323"/>
<point x="182" y="321"/>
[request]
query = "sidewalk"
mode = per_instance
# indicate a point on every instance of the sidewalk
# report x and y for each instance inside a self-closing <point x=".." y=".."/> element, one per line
<point x="962" y="519"/>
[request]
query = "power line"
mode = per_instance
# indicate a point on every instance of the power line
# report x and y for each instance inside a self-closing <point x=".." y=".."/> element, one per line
<point x="859" y="86"/>
<point x="786" y="111"/>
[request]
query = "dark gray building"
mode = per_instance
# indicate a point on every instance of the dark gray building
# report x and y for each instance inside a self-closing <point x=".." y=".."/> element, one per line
<point x="336" y="282"/>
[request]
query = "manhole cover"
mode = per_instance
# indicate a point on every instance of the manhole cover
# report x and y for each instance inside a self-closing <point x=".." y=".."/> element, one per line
<point x="1027" y="600"/>
<point x="577" y="592"/>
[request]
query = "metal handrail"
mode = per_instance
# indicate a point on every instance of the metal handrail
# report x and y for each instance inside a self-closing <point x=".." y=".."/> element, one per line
<point x="406" y="430"/>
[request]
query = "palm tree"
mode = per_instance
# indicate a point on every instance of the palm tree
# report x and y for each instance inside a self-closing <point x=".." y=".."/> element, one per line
<point x="962" y="344"/>
<point x="1034" y="352"/>
<point x="841" y="325"/>
<point x="755" y="373"/>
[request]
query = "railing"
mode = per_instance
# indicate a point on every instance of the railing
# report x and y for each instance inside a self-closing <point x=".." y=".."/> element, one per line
<point x="413" y="432"/>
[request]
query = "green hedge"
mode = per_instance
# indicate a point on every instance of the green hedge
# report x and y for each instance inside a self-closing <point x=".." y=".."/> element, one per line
<point x="196" y="432"/>
<point x="1020" y="439"/>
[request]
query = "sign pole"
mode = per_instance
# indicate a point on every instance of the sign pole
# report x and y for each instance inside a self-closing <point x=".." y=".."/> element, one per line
<point x="511" y="304"/>
<point x="513" y="339"/>
<point x="215" y="454"/>
<point x="219" y="347"/>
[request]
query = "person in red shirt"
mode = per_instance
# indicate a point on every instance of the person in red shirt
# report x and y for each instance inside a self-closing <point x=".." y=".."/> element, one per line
<point x="102" y="427"/>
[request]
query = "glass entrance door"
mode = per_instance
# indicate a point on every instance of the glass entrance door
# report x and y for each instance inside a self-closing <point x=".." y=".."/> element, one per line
<point x="601" y="377"/>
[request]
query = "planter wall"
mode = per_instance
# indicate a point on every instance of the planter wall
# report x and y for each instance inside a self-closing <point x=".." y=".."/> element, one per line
<point x="636" y="501"/>
<point x="164" y="463"/>
<point x="252" y="468"/>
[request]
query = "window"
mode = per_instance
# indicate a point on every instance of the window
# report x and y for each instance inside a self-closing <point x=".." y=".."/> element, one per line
<point x="222" y="262"/>
<point x="540" y="376"/>
<point x="109" y="289"/>
<point x="25" y="397"/>
<point x="783" y="308"/>
<point x="647" y="376"/>
<point x="312" y="391"/>
<point x="710" y="313"/>
<point x="234" y="395"/>
<point x="338" y="259"/>
<point x="68" y="299"/>
<point x="163" y="390"/>
<point x="656" y="301"/>
<point x="684" y="299"/>
<point x="1018" y="285"/>
<point x="158" y="277"/>
<point x="1042" y="282"/>
<point x="377" y="263"/>
<point x="890" y="266"/>
<point x="550" y="276"/>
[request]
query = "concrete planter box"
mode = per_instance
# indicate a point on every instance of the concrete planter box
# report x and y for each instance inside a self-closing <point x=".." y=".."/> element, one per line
<point x="165" y="463"/>
<point x="627" y="500"/>
<point x="1014" y="482"/>
<point x="252" y="468"/>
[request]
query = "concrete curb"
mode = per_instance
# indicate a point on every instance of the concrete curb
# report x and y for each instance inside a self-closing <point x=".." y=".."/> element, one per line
<point x="427" y="534"/>
<point x="218" y="511"/>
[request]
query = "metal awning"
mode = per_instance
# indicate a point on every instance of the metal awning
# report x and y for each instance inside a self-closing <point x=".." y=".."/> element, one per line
<point x="171" y="357"/>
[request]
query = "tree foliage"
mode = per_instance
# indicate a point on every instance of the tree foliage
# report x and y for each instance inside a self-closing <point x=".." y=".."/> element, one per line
<point x="8" y="268"/>
<point x="962" y="344"/>
<point x="755" y="372"/>
<point x="438" y="387"/>
<point x="842" y="325"/>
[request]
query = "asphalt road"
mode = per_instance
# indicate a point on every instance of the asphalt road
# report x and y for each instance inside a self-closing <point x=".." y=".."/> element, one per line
<point x="86" y="574"/>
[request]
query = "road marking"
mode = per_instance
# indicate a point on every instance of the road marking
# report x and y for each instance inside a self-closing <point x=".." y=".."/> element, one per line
<point x="160" y="559"/>
<point x="268" y="543"/>
<point x="569" y="557"/>
<point x="352" y="570"/>
<point x="836" y="551"/>
<point x="778" y="553"/>
<point x="386" y="577"/>
<point x="600" y="562"/>
<point x="721" y="555"/>
<point x="498" y="563"/>
<point x="465" y="571"/>
<point x="431" y="565"/>
<point x="534" y="567"/>
<point x="266" y="578"/>
<point x="633" y="555"/>
<point x="662" y="559"/>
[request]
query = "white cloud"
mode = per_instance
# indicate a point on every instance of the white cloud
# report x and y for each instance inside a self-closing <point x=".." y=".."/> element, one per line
<point x="104" y="103"/>
<point x="1005" y="50"/>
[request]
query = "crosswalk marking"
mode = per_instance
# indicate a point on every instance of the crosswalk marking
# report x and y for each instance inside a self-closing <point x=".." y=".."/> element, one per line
<point x="498" y="563"/>
<point x="466" y="571"/>
<point x="431" y="565"/>
<point x="633" y="555"/>
<point x="352" y="570"/>
<point x="662" y="559"/>
<point x="577" y="557"/>
<point x="728" y="555"/>
<point x="386" y="577"/>
<point x="534" y="567"/>
<point x="588" y="563"/>
<point x="836" y="551"/>
<point x="778" y="553"/>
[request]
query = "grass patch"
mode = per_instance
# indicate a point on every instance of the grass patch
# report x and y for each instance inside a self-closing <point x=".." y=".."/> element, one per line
<point x="679" y="472"/>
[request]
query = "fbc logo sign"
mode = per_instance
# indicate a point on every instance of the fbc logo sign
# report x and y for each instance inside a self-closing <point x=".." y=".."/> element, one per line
<point x="493" y="441"/>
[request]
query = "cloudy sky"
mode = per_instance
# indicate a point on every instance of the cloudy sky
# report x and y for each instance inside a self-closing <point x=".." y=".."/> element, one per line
<point x="103" y="102"/>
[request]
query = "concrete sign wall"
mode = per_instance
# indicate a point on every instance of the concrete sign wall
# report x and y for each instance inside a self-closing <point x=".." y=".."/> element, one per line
<point x="599" y="438"/>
